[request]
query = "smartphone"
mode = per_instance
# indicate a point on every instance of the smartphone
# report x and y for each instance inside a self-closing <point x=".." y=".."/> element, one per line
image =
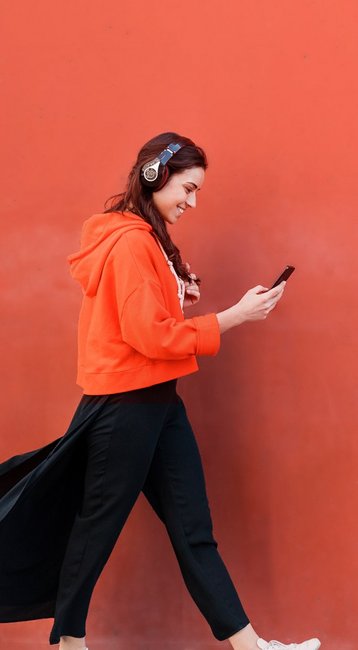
<point x="284" y="276"/>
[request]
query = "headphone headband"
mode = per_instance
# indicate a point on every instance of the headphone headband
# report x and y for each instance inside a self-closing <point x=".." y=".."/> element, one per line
<point x="168" y="152"/>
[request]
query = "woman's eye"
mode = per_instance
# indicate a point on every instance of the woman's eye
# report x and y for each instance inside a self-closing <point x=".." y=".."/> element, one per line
<point x="188" y="190"/>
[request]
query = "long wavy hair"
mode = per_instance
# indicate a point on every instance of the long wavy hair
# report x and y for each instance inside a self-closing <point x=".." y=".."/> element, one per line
<point x="138" y="199"/>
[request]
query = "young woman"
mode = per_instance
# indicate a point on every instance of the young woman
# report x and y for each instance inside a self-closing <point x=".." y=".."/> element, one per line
<point x="64" y="505"/>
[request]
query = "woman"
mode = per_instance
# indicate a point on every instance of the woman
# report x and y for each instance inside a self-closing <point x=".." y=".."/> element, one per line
<point x="130" y="432"/>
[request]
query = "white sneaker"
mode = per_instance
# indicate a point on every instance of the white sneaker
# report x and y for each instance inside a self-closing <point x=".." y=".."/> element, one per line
<point x="311" y="644"/>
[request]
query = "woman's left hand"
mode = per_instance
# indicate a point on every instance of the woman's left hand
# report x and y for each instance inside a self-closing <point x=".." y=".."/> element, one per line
<point x="192" y="291"/>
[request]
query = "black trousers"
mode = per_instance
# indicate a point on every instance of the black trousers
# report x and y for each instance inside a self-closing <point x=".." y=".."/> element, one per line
<point x="142" y="440"/>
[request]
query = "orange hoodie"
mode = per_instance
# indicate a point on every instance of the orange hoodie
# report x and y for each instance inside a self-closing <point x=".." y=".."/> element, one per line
<point x="131" y="330"/>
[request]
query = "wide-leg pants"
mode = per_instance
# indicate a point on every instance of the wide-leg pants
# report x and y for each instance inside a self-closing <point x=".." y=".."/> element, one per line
<point x="142" y="440"/>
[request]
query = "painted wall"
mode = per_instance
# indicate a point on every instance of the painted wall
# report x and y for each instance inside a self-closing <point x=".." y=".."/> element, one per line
<point x="269" y="89"/>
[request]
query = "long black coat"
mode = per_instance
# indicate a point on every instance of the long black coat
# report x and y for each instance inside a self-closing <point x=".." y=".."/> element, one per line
<point x="40" y="492"/>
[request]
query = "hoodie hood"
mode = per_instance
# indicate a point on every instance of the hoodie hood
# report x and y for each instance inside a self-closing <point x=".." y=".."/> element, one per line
<point x="99" y="234"/>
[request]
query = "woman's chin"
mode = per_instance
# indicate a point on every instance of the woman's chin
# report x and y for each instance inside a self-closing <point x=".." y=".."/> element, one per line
<point x="173" y="218"/>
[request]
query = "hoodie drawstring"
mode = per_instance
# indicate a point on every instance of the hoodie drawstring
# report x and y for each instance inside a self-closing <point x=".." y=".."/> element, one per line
<point x="180" y="282"/>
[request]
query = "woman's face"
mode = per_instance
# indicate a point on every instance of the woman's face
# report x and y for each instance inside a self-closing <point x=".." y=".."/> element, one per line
<point x="179" y="193"/>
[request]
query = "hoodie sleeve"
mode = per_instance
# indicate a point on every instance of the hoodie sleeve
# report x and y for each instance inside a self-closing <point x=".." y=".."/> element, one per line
<point x="148" y="327"/>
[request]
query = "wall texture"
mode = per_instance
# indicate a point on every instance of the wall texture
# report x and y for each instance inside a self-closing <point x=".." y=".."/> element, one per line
<point x="269" y="89"/>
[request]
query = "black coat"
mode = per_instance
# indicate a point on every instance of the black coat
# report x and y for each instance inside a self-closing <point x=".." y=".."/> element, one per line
<point x="40" y="493"/>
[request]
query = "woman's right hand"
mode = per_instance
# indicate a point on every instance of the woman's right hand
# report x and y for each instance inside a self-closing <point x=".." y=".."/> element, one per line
<point x="255" y="305"/>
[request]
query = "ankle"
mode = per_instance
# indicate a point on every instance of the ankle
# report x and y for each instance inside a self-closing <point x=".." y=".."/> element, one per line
<point x="72" y="643"/>
<point x="245" y="639"/>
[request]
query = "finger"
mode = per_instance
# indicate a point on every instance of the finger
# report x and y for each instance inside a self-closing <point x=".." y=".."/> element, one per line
<point x="276" y="290"/>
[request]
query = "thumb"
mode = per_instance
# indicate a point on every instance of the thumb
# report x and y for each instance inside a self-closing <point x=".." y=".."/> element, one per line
<point x="260" y="289"/>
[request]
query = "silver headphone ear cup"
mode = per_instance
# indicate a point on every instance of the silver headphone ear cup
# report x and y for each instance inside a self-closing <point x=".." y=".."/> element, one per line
<point x="150" y="172"/>
<point x="154" y="174"/>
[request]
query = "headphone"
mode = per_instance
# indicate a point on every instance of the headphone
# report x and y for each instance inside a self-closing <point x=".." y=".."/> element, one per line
<point x="154" y="174"/>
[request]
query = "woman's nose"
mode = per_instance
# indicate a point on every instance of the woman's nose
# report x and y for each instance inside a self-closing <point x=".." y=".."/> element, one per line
<point x="191" y="200"/>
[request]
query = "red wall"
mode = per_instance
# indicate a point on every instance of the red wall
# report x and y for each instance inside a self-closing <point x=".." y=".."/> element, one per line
<point x="269" y="89"/>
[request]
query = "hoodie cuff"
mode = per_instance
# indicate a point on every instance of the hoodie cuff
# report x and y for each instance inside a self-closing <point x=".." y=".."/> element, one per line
<point x="208" y="334"/>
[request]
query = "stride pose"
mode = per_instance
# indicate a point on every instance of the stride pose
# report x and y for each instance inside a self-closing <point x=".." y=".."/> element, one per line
<point x="63" y="506"/>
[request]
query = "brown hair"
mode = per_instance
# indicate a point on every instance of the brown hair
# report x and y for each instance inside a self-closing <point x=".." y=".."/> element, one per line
<point x="140" y="197"/>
